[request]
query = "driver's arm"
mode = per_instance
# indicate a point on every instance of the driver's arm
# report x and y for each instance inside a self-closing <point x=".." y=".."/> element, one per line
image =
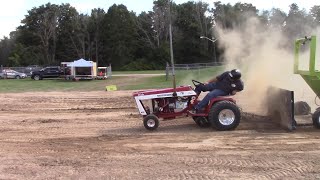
<point x="218" y="78"/>
<point x="212" y="80"/>
<point x="234" y="92"/>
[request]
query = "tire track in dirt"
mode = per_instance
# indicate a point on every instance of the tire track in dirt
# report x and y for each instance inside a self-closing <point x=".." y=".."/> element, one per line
<point x="190" y="174"/>
<point x="275" y="169"/>
<point x="101" y="135"/>
<point x="64" y="110"/>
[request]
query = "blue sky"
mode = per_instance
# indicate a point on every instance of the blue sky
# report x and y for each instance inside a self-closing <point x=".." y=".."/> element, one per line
<point x="13" y="11"/>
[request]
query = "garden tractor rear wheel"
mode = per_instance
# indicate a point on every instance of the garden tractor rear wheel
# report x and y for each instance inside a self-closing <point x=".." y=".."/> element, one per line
<point x="316" y="119"/>
<point x="224" y="115"/>
<point x="201" y="121"/>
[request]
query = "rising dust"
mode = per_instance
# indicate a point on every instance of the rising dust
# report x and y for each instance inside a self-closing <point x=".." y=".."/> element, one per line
<point x="260" y="54"/>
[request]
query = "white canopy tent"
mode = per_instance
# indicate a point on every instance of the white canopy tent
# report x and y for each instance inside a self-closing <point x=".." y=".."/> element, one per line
<point x="82" y="69"/>
<point x="81" y="63"/>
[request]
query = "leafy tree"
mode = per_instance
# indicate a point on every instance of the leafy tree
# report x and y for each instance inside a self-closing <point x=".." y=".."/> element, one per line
<point x="191" y="23"/>
<point x="6" y="46"/>
<point x="42" y="23"/>
<point x="96" y="30"/>
<point x="161" y="21"/>
<point x="69" y="35"/>
<point x="229" y="16"/>
<point x="315" y="14"/>
<point x="120" y="36"/>
<point x="277" y="18"/>
<point x="297" y="24"/>
<point x="52" y="33"/>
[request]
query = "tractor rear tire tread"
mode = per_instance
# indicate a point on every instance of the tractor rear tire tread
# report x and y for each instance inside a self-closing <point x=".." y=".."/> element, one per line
<point x="217" y="108"/>
<point x="201" y="121"/>
<point x="301" y="108"/>
<point x="316" y="119"/>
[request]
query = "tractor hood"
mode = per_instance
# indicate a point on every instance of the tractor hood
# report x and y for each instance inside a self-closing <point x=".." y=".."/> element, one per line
<point x="181" y="89"/>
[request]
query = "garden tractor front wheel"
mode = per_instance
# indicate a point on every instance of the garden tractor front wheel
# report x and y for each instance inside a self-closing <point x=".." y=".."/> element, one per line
<point x="151" y="122"/>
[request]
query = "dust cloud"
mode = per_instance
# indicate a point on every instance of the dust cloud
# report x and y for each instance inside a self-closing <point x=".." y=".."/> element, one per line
<point x="261" y="55"/>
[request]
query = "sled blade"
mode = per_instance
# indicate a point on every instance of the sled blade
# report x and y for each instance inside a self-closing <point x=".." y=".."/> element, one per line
<point x="280" y="107"/>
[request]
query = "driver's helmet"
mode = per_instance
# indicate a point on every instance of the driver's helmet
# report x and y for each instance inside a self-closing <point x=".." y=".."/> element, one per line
<point x="235" y="74"/>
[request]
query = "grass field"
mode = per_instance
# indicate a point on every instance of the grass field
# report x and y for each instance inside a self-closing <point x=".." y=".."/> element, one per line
<point x="183" y="77"/>
<point x="123" y="83"/>
<point x="29" y="85"/>
<point x="140" y="72"/>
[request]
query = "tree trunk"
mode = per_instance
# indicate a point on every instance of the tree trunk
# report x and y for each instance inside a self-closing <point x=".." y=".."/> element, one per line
<point x="97" y="57"/>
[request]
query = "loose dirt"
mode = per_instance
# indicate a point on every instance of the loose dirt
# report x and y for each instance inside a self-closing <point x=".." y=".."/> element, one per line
<point x="100" y="135"/>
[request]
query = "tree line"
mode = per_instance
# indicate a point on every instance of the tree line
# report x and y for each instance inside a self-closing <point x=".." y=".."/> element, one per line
<point x="53" y="33"/>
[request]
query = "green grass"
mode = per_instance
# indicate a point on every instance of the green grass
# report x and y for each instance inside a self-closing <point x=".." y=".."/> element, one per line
<point x="140" y="72"/>
<point x="183" y="77"/>
<point x="29" y="85"/>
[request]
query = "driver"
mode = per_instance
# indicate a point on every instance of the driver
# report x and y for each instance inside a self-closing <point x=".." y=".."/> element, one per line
<point x="227" y="83"/>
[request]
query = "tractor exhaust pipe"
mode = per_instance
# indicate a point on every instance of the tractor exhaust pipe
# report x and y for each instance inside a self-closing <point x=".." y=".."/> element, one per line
<point x="172" y="63"/>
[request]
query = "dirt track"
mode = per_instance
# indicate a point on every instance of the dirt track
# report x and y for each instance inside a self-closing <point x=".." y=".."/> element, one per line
<point x="99" y="135"/>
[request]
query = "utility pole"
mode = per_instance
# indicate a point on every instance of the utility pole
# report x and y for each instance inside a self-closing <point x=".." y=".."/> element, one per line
<point x="171" y="51"/>
<point x="214" y="52"/>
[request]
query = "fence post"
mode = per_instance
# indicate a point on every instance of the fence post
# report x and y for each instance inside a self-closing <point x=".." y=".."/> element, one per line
<point x="167" y="71"/>
<point x="110" y="70"/>
<point x="2" y="72"/>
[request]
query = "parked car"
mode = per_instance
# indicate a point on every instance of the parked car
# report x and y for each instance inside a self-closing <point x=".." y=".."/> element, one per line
<point x="31" y="68"/>
<point x="47" y="72"/>
<point x="11" y="74"/>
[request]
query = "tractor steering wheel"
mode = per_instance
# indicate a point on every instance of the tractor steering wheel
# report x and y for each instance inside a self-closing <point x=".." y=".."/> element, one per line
<point x="196" y="83"/>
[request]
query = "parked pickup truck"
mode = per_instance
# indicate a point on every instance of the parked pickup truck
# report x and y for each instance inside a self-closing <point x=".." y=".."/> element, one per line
<point x="47" y="72"/>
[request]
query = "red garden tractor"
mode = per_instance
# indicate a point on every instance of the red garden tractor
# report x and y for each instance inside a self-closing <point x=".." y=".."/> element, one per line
<point x="221" y="113"/>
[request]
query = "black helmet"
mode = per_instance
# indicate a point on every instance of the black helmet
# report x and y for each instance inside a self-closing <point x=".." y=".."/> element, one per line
<point x="235" y="74"/>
